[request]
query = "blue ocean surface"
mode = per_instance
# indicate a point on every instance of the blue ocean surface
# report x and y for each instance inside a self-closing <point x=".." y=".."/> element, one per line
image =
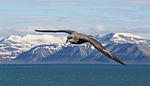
<point x="74" y="75"/>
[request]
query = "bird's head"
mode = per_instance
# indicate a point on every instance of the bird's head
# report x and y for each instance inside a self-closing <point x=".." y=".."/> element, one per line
<point x="69" y="38"/>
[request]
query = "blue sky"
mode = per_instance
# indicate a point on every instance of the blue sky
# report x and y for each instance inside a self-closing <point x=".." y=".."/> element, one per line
<point x="20" y="17"/>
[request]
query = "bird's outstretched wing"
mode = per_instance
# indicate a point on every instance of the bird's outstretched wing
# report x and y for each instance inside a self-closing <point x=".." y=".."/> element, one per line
<point x="64" y="31"/>
<point x="98" y="46"/>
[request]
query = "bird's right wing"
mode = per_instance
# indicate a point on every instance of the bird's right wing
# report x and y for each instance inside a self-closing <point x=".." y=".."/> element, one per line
<point x="98" y="46"/>
<point x="55" y="31"/>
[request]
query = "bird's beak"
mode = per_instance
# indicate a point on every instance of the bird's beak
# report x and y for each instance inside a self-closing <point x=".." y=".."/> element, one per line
<point x="67" y="41"/>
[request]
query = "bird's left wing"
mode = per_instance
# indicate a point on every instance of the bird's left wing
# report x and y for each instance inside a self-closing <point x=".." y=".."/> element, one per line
<point x="98" y="46"/>
<point x="64" y="31"/>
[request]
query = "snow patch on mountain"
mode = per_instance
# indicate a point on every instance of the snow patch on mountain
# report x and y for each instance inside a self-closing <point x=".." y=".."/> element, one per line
<point x="122" y="38"/>
<point x="12" y="46"/>
<point x="127" y="35"/>
<point x="127" y="38"/>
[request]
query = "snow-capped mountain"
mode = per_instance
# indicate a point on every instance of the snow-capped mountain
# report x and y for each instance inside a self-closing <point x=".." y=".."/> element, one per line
<point x="39" y="52"/>
<point x="12" y="46"/>
<point x="123" y="38"/>
<point x="127" y="47"/>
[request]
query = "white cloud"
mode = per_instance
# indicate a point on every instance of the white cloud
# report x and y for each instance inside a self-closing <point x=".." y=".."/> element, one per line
<point x="100" y="27"/>
<point x="131" y="28"/>
<point x="145" y="26"/>
<point x="31" y="29"/>
<point x="61" y="3"/>
<point x="1" y="28"/>
<point x="137" y="2"/>
<point x="30" y="16"/>
<point x="34" y="16"/>
<point x="139" y="29"/>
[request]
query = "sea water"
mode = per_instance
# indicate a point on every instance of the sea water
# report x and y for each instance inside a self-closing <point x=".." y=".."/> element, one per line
<point x="74" y="75"/>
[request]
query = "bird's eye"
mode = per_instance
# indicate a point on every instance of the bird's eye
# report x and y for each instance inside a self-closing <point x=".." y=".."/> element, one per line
<point x="69" y="37"/>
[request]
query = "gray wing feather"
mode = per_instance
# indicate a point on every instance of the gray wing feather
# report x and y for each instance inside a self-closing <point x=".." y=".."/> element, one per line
<point x="98" y="46"/>
<point x="65" y="31"/>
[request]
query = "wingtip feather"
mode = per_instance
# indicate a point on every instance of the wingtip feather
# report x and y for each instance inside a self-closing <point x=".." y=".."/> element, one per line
<point x="36" y="30"/>
<point x="117" y="60"/>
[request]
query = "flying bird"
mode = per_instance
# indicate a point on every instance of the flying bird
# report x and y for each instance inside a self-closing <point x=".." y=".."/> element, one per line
<point x="79" y="38"/>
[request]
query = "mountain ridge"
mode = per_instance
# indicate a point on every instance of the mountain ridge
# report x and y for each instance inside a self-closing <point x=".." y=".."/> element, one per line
<point x="133" y="49"/>
<point x="49" y="49"/>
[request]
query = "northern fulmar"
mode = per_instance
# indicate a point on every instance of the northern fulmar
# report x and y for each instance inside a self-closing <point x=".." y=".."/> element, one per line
<point x="79" y="38"/>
